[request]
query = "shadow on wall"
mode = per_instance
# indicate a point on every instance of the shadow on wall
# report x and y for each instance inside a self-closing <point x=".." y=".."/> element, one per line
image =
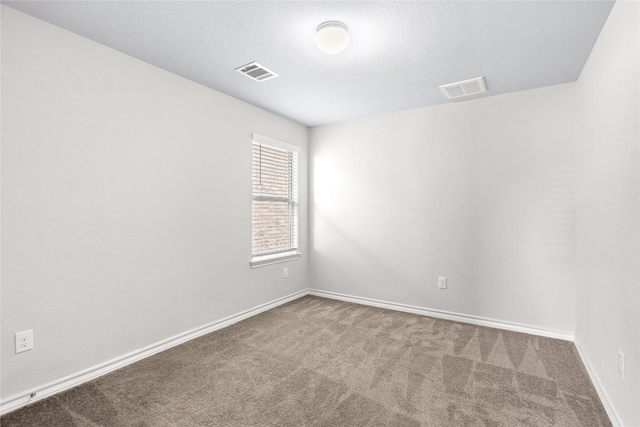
<point x="372" y="241"/>
<point x="347" y="262"/>
<point x="345" y="252"/>
<point x="375" y="240"/>
<point x="559" y="222"/>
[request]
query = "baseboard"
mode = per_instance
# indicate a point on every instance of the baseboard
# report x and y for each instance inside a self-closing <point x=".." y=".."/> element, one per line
<point x="21" y="399"/>
<point x="597" y="384"/>
<point x="440" y="314"/>
<point x="492" y="323"/>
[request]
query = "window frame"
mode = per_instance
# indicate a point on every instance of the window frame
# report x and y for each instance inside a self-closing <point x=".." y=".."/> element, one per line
<point x="269" y="259"/>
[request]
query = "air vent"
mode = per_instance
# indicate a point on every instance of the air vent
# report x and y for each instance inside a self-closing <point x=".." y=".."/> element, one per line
<point x="256" y="72"/>
<point x="464" y="88"/>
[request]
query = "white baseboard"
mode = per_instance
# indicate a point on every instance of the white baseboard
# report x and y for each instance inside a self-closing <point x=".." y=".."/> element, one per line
<point x="492" y="323"/>
<point x="440" y="314"/>
<point x="597" y="384"/>
<point x="21" y="399"/>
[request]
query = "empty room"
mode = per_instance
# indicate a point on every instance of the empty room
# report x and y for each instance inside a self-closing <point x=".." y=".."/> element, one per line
<point x="320" y="213"/>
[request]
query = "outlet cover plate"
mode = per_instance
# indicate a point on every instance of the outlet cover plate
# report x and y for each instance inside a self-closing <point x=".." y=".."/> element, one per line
<point x="24" y="341"/>
<point x="621" y="364"/>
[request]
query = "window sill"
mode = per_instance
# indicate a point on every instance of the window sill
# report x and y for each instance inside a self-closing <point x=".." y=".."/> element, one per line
<point x="261" y="261"/>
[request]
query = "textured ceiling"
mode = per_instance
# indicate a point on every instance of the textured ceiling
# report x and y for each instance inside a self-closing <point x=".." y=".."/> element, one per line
<point x="400" y="52"/>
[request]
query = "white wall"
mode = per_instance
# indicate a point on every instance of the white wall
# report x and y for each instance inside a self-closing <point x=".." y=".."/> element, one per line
<point x="607" y="215"/>
<point x="480" y="192"/>
<point x="123" y="223"/>
<point x="126" y="203"/>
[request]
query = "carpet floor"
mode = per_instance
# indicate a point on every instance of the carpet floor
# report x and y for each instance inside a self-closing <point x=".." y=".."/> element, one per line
<point x="320" y="362"/>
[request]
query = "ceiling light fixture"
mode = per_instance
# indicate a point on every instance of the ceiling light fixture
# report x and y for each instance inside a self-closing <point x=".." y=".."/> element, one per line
<point x="332" y="37"/>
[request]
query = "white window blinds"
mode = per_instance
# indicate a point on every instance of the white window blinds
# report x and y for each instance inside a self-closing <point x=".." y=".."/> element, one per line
<point x="275" y="197"/>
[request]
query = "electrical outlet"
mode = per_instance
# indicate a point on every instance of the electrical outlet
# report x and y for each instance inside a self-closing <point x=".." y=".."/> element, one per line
<point x="285" y="272"/>
<point x="442" y="283"/>
<point x="621" y="364"/>
<point x="24" y="341"/>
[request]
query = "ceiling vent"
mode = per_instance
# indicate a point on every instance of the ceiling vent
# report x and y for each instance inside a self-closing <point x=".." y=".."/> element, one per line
<point x="256" y="72"/>
<point x="464" y="88"/>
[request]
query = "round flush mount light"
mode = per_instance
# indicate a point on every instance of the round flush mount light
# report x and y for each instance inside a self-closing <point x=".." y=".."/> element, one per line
<point x="332" y="37"/>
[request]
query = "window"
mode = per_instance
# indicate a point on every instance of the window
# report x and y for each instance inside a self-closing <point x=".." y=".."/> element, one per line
<point x="274" y="221"/>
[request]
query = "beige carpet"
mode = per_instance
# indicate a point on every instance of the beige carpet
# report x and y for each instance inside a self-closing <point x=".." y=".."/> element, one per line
<point x="319" y="362"/>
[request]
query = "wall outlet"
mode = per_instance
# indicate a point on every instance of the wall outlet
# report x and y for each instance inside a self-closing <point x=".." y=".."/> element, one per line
<point x="24" y="341"/>
<point x="621" y="364"/>
<point x="442" y="283"/>
<point x="285" y="272"/>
